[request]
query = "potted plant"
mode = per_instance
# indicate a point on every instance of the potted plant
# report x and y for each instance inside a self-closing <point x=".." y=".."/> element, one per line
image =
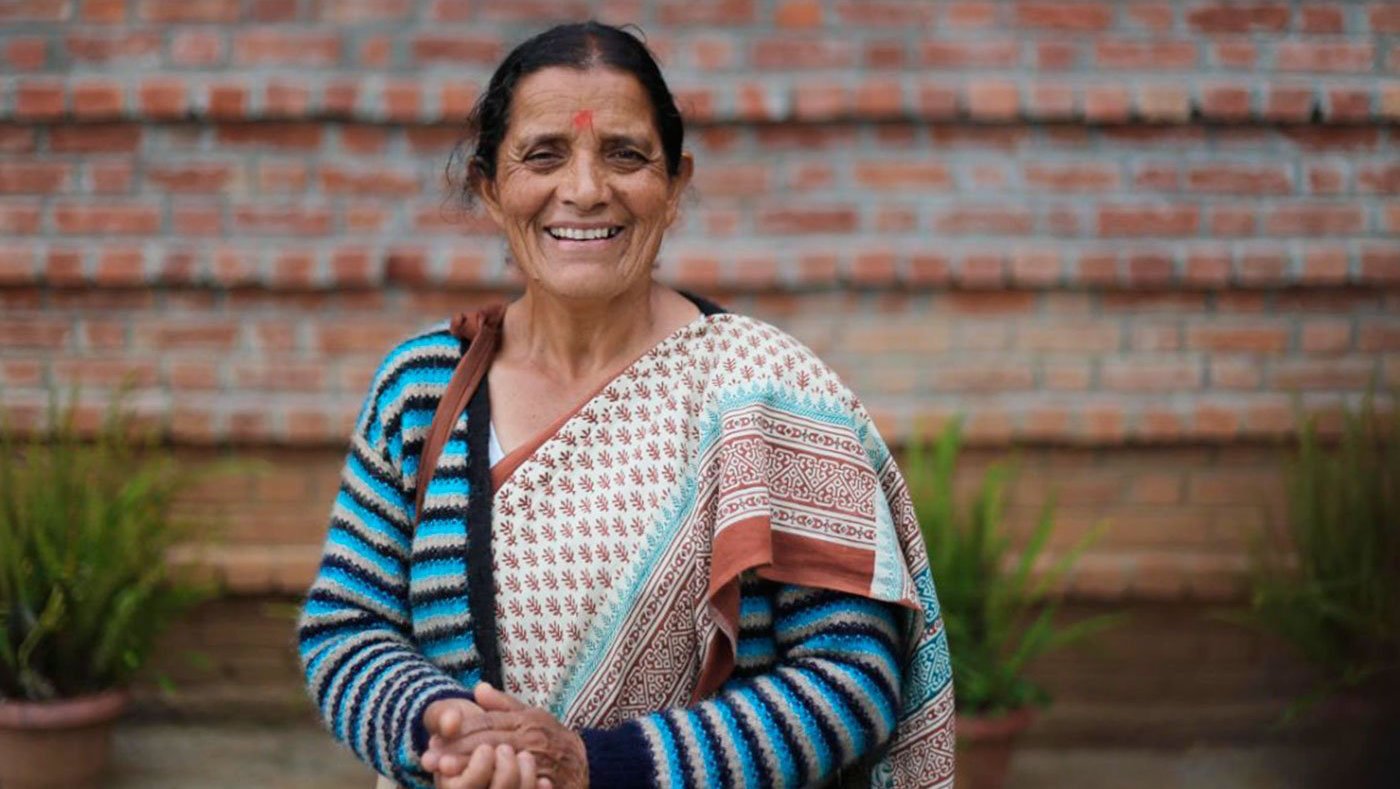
<point x="1327" y="581"/>
<point x="997" y="604"/>
<point x="84" y="588"/>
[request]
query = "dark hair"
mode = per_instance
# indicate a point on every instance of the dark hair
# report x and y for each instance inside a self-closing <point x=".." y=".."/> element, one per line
<point x="581" y="46"/>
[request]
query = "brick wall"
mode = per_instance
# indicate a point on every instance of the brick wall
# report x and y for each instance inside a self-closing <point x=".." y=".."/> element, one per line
<point x="1120" y="235"/>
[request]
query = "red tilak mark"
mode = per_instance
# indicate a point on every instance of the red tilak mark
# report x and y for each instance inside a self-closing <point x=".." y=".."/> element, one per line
<point x="583" y="118"/>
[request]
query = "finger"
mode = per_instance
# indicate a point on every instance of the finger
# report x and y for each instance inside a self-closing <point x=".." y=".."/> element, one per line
<point x="450" y="722"/>
<point x="451" y="765"/>
<point x="528" y="770"/>
<point x="507" y="775"/>
<point x="544" y="783"/>
<point x="490" y="698"/>
<point x="430" y="759"/>
<point x="479" y="769"/>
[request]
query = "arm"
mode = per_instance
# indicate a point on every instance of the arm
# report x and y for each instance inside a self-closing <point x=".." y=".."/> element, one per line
<point x="831" y="697"/>
<point x="362" y="666"/>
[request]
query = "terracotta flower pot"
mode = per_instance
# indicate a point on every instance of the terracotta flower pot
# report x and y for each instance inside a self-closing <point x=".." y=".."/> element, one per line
<point x="985" y="745"/>
<point x="52" y="744"/>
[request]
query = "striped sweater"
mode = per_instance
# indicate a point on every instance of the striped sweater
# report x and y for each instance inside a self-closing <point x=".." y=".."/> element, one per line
<point x="816" y="681"/>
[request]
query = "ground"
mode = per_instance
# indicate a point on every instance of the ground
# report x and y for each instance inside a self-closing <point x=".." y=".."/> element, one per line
<point x="171" y="756"/>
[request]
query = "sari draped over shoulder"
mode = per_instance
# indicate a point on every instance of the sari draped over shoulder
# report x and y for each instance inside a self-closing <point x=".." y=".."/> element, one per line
<point x="619" y="542"/>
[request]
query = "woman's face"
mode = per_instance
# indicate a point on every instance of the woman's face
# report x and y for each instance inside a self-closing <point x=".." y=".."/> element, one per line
<point x="581" y="189"/>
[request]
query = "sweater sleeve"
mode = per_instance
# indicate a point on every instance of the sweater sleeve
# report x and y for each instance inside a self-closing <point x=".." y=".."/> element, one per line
<point x="362" y="666"/>
<point x="816" y="687"/>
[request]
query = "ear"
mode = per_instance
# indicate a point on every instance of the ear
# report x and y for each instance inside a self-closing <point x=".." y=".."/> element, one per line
<point x="678" y="186"/>
<point x="485" y="190"/>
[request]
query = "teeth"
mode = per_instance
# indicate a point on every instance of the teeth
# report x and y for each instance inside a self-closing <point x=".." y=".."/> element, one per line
<point x="578" y="234"/>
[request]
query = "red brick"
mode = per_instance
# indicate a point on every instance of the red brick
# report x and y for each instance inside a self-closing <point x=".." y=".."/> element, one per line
<point x="382" y="181"/>
<point x="197" y="48"/>
<point x="35" y="332"/>
<point x="111" y="176"/>
<point x="286" y="99"/>
<point x="103" y="11"/>
<point x="1236" y="373"/>
<point x="1264" y="267"/>
<point x="458" y="49"/>
<point x="1149" y="16"/>
<point x="1348" y="104"/>
<point x="1324" y="265"/>
<point x="992" y="99"/>
<point x="167" y="334"/>
<point x="26" y="54"/>
<point x="227" y="101"/>
<point x="86" y="218"/>
<point x="719" y="12"/>
<point x="299" y="136"/>
<point x="402" y="100"/>
<point x="188" y="10"/>
<point x="784" y="221"/>
<point x="1384" y="18"/>
<point x="1086" y="176"/>
<point x="799" y="14"/>
<point x="263" y="219"/>
<point x="1380" y="264"/>
<point x="1322" y="18"/>
<point x="1337" y="373"/>
<point x="1326" y="335"/>
<point x="1312" y="219"/>
<point x="1164" y="102"/>
<point x="273" y="47"/>
<point x="111" y="47"/>
<point x="882" y="175"/>
<point x="1225" y="178"/>
<point x="1378" y="334"/>
<point x="980" y="220"/>
<point x="1234" y="53"/>
<point x="191" y="177"/>
<point x="956" y="54"/>
<point x="1140" y="54"/>
<point x="1326" y="57"/>
<point x="39" y="100"/>
<point x="1106" y="103"/>
<point x="1146" y="375"/>
<point x="360" y="11"/>
<point x="1076" y="17"/>
<point x="32" y="177"/>
<point x="188" y="219"/>
<point x="880" y="13"/>
<point x="1378" y="179"/>
<point x="1124" y="220"/>
<point x="120" y="267"/>
<point x="105" y="372"/>
<point x="1253" y="337"/>
<point x="1239" y="18"/>
<point x="1227" y="102"/>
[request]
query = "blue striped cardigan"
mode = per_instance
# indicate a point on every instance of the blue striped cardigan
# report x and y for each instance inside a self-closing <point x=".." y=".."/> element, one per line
<point x="816" y="683"/>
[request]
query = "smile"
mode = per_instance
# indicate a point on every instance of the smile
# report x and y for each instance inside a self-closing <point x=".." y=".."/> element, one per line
<point x="584" y="234"/>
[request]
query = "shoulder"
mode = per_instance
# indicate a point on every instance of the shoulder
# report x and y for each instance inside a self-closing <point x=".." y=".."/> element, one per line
<point x="748" y="354"/>
<point x="417" y="367"/>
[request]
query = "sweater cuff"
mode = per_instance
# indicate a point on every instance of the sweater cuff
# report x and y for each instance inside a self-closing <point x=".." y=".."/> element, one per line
<point x="619" y="757"/>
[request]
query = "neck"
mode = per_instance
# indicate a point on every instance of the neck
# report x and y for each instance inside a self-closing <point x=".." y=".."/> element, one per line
<point x="573" y="338"/>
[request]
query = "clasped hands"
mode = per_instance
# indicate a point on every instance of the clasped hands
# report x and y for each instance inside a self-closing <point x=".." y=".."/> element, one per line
<point x="499" y="743"/>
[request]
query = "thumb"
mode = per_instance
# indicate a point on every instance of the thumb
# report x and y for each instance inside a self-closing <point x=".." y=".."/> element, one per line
<point x="489" y="698"/>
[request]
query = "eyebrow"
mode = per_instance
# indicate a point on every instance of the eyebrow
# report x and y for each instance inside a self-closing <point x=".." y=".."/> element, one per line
<point x="549" y="138"/>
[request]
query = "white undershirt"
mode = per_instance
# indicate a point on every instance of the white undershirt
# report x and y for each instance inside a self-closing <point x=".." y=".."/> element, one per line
<point x="494" y="453"/>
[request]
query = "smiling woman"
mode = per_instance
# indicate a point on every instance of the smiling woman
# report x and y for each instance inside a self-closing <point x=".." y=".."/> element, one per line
<point x="609" y="533"/>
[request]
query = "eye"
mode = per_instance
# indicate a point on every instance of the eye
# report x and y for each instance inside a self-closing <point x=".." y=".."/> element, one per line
<point x="629" y="155"/>
<point x="543" y="156"/>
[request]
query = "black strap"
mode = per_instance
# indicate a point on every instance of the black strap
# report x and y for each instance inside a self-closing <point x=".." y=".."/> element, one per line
<point x="481" y="584"/>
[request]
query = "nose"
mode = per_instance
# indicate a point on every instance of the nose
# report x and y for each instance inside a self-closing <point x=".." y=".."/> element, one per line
<point x="585" y="186"/>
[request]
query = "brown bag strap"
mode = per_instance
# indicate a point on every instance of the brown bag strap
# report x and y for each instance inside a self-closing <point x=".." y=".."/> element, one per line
<point x="483" y="330"/>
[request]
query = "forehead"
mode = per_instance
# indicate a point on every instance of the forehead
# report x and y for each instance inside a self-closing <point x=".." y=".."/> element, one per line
<point x="551" y="98"/>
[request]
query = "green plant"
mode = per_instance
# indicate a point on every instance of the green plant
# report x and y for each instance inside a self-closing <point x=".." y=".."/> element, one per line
<point x="997" y="608"/>
<point x="84" y="530"/>
<point x="1328" y="582"/>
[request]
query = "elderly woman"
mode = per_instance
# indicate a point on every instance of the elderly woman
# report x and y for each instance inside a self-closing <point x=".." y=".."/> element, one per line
<point x="609" y="533"/>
